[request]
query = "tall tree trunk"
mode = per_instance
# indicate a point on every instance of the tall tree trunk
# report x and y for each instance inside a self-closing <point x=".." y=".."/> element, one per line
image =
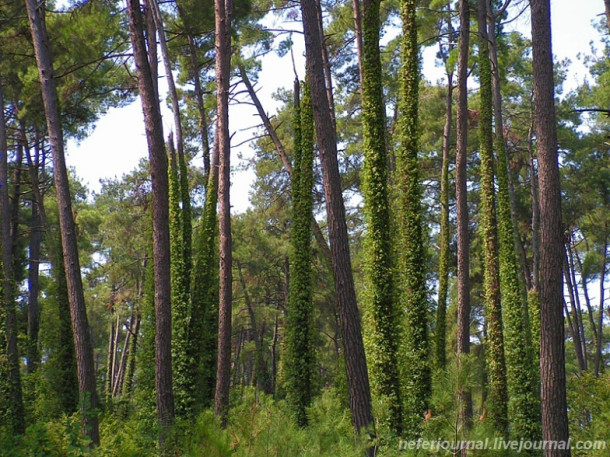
<point x="440" y="355"/>
<point x="17" y="413"/>
<point x="160" y="203"/>
<point x="355" y="359"/>
<point x="204" y="303"/>
<point x="300" y="351"/>
<point x="181" y="163"/>
<point x="78" y="311"/>
<point x="463" y="237"/>
<point x="182" y="368"/>
<point x="607" y="7"/>
<point x="381" y="306"/>
<point x="223" y="9"/>
<point x="497" y="398"/>
<point x="412" y="254"/>
<point x="522" y="372"/>
<point x="552" y="355"/>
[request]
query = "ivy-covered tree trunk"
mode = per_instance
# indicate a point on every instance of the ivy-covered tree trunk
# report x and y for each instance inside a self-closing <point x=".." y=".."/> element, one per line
<point x="381" y="303"/>
<point x="497" y="397"/>
<point x="300" y="350"/>
<point x="78" y="312"/>
<point x="183" y="373"/>
<point x="204" y="303"/>
<point x="461" y="192"/>
<point x="552" y="351"/>
<point x="412" y="254"/>
<point x="522" y="372"/>
<point x="65" y="378"/>
<point x="355" y="359"/>
<point x="160" y="205"/>
<point x="15" y="400"/>
<point x="223" y="67"/>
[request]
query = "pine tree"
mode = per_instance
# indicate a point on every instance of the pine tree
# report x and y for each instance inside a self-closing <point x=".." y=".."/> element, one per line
<point x="380" y="295"/>
<point x="497" y="398"/>
<point x="300" y="355"/>
<point x="78" y="311"/>
<point x="160" y="205"/>
<point x="223" y="10"/>
<point x="552" y="350"/>
<point x="522" y="373"/>
<point x="412" y="256"/>
<point x="461" y="194"/>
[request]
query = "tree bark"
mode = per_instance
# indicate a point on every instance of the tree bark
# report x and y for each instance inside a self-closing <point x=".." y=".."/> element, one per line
<point x="223" y="66"/>
<point x="463" y="237"/>
<point x="78" y="311"/>
<point x="355" y="360"/>
<point x="160" y="202"/>
<point x="552" y="355"/>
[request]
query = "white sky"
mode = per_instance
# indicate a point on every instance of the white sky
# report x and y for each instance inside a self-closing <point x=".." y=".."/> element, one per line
<point x="118" y="141"/>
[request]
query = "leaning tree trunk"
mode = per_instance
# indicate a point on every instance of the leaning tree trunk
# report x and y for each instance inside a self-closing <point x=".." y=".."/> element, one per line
<point x="463" y="241"/>
<point x="355" y="359"/>
<point x="552" y="355"/>
<point x="78" y="311"/>
<point x="160" y="203"/>
<point x="223" y="67"/>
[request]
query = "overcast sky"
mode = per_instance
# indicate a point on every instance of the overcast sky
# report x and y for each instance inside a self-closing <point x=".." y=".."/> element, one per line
<point x="118" y="142"/>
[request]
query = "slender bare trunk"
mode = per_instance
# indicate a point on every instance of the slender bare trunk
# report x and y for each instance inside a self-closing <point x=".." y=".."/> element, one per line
<point x="552" y="351"/>
<point x="463" y="237"/>
<point x="78" y="311"/>
<point x="223" y="66"/>
<point x="160" y="203"/>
